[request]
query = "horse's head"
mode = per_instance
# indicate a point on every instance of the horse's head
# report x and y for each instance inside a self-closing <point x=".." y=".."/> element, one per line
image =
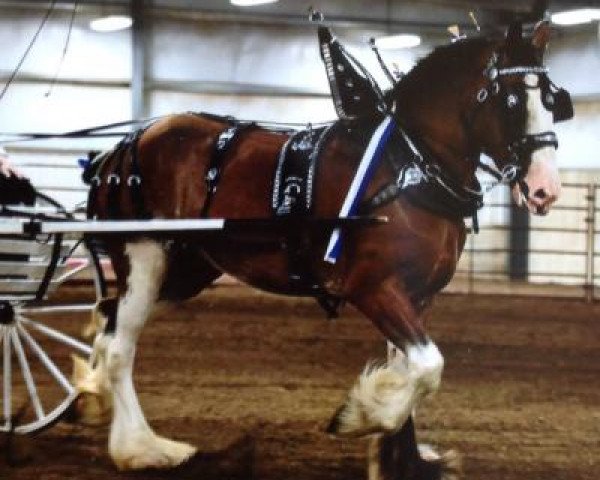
<point x="494" y="97"/>
<point x="515" y="107"/>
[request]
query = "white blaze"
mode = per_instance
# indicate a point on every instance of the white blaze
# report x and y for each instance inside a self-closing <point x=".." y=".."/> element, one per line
<point x="543" y="172"/>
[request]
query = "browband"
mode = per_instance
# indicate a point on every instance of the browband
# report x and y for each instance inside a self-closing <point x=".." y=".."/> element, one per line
<point x="519" y="70"/>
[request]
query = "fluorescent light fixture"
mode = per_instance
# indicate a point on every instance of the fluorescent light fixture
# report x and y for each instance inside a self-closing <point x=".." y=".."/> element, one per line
<point x="576" y="17"/>
<point x="394" y="42"/>
<point x="111" y="23"/>
<point x="250" y="3"/>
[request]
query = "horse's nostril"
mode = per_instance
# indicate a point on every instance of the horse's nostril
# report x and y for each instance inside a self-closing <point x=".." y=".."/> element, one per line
<point x="540" y="193"/>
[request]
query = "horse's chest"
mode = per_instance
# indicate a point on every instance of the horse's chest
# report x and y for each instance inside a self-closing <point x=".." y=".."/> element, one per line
<point x="433" y="260"/>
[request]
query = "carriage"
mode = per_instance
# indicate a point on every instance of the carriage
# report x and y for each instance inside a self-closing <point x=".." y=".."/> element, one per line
<point x="33" y="266"/>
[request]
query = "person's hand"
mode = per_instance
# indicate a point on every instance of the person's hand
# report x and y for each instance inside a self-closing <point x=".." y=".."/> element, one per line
<point x="7" y="169"/>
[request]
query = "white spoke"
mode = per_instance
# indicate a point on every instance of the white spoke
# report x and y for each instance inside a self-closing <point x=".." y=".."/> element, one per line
<point x="58" y="336"/>
<point x="79" y="307"/>
<point x="7" y="394"/>
<point x="49" y="364"/>
<point x="27" y="376"/>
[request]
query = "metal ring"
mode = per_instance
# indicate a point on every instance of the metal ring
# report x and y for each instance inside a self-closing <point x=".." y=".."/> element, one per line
<point x="95" y="181"/>
<point x="113" y="178"/>
<point x="134" y="179"/>
<point x="482" y="95"/>
<point x="509" y="173"/>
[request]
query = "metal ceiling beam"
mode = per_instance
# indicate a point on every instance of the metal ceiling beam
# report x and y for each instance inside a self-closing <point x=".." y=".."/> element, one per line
<point x="139" y="102"/>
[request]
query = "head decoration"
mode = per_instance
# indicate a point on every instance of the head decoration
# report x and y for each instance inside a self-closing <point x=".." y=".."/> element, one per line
<point x="355" y="92"/>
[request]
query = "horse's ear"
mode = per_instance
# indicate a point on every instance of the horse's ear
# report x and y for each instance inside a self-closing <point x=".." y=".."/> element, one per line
<point x="514" y="35"/>
<point x="541" y="35"/>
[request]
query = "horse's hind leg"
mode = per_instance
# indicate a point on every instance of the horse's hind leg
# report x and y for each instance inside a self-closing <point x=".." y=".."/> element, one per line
<point x="132" y="443"/>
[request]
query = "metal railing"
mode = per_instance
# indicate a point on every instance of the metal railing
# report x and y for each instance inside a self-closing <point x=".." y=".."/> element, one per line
<point x="562" y="253"/>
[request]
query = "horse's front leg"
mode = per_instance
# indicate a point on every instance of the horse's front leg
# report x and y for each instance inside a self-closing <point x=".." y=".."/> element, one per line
<point x="132" y="443"/>
<point x="384" y="396"/>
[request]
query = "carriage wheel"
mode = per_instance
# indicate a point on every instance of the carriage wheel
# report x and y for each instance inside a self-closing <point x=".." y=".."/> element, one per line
<point x="39" y="341"/>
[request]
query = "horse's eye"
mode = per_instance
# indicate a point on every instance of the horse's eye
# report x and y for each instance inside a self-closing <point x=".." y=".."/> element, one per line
<point x="512" y="100"/>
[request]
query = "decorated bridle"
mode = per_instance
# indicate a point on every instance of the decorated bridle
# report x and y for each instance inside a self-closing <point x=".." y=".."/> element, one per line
<point x="522" y="145"/>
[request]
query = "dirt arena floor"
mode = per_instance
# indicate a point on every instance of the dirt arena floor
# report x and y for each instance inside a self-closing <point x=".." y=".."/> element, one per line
<point x="253" y="379"/>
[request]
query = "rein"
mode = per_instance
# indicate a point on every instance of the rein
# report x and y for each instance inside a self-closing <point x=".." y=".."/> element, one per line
<point x="97" y="131"/>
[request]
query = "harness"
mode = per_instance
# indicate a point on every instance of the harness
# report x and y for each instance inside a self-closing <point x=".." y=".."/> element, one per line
<point x="98" y="168"/>
<point x="223" y="144"/>
<point x="422" y="181"/>
<point x="296" y="170"/>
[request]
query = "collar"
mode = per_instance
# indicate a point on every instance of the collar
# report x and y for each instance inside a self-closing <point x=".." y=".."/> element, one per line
<point x="423" y="181"/>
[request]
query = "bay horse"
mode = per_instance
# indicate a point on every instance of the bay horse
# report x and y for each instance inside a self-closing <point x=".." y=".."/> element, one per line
<point x="474" y="96"/>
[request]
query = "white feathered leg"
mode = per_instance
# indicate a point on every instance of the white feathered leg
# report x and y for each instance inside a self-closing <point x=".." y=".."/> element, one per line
<point x="132" y="443"/>
<point x="384" y="396"/>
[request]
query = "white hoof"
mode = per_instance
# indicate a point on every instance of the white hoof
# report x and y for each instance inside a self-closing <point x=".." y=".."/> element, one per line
<point x="94" y="404"/>
<point x="150" y="451"/>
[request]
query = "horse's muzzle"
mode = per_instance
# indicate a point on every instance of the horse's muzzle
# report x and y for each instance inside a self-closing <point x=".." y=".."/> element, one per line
<point x="540" y="187"/>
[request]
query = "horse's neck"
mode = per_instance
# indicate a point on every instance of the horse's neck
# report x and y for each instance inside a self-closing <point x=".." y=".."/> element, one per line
<point x="443" y="137"/>
<point x="459" y="163"/>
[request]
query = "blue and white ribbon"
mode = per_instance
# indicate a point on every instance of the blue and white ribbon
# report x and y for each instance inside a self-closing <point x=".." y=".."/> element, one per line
<point x="365" y="171"/>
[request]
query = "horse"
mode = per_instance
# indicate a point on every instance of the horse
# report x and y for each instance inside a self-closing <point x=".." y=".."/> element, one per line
<point x="471" y="97"/>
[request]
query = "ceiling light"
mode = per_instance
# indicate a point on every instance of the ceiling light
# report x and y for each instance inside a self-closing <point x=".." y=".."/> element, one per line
<point x="250" y="3"/>
<point x="394" y="42"/>
<point x="576" y="17"/>
<point x="111" y="23"/>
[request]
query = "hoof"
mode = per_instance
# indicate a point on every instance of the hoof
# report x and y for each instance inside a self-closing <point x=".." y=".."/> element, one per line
<point x="151" y="452"/>
<point x="434" y="466"/>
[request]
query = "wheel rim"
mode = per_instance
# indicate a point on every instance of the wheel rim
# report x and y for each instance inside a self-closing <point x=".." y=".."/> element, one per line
<point x="23" y="350"/>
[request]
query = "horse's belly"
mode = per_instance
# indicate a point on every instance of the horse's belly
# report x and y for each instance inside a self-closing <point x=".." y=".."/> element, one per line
<point x="262" y="266"/>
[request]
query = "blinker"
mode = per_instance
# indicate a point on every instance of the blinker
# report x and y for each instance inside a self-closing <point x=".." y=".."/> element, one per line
<point x="558" y="101"/>
<point x="562" y="108"/>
